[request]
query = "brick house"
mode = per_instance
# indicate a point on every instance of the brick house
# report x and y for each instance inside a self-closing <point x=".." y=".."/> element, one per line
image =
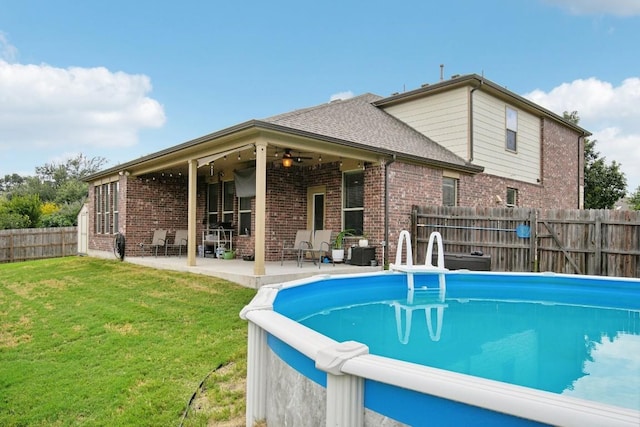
<point x="359" y="163"/>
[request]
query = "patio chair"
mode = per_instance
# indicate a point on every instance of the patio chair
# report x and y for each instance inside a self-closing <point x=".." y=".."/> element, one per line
<point x="303" y="237"/>
<point x="158" y="240"/>
<point x="318" y="248"/>
<point x="179" y="241"/>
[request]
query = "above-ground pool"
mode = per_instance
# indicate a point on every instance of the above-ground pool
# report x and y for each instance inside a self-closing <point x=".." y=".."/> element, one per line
<point x="454" y="348"/>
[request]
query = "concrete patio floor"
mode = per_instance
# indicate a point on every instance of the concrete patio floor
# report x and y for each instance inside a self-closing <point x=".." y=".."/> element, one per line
<point x="241" y="272"/>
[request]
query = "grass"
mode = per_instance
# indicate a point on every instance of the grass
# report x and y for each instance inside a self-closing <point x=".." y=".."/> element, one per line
<point x="86" y="341"/>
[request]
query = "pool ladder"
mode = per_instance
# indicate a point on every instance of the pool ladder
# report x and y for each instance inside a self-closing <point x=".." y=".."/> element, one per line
<point x="405" y="240"/>
<point x="428" y="267"/>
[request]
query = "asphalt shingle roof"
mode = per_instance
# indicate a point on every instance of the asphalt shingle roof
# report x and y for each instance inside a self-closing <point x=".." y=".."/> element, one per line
<point x="357" y="120"/>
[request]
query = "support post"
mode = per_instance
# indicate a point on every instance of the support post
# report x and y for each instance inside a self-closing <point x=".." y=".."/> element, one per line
<point x="191" y="212"/>
<point x="257" y="351"/>
<point x="257" y="357"/>
<point x="261" y="202"/>
<point x="345" y="393"/>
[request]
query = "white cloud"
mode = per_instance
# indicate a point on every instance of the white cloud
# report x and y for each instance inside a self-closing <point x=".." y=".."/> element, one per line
<point x="44" y="107"/>
<point x="610" y="112"/>
<point x="599" y="7"/>
<point x="608" y="371"/>
<point x="8" y="52"/>
<point x="341" y="96"/>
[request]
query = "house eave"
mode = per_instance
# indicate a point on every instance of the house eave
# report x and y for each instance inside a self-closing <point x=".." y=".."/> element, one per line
<point x="481" y="83"/>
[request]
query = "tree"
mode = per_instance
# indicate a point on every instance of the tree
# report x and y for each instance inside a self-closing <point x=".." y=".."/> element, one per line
<point x="9" y="182"/>
<point x="58" y="183"/>
<point x="604" y="184"/>
<point x="21" y="212"/>
<point x="634" y="199"/>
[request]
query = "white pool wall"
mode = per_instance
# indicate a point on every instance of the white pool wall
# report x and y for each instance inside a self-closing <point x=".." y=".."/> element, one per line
<point x="348" y="365"/>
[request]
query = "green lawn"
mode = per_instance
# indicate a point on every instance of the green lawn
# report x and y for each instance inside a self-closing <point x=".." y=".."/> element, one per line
<point x="85" y="341"/>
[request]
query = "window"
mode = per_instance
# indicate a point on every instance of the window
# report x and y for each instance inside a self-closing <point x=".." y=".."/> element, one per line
<point x="99" y="208"/>
<point x="212" y="203"/>
<point x="106" y="206"/>
<point x="116" y="189"/>
<point x="353" y="201"/>
<point x="228" y="194"/>
<point x="512" y="129"/>
<point x="449" y="191"/>
<point x="512" y="197"/>
<point x="244" y="215"/>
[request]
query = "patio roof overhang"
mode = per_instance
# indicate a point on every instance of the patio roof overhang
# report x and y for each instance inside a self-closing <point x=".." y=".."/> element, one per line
<point x="236" y="147"/>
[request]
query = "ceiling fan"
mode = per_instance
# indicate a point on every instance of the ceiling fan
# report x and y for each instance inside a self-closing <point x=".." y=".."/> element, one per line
<point x="288" y="158"/>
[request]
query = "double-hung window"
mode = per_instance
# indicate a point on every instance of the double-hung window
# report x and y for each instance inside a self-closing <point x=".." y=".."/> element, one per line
<point x="449" y="191"/>
<point x="244" y="215"/>
<point x="99" y="208"/>
<point x="212" y="203"/>
<point x="512" y="129"/>
<point x="353" y="201"/>
<point x="512" y="197"/>
<point x="115" y="189"/>
<point x="228" y="194"/>
<point x="107" y="208"/>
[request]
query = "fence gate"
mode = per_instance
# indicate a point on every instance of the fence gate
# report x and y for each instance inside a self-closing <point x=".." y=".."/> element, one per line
<point x="83" y="231"/>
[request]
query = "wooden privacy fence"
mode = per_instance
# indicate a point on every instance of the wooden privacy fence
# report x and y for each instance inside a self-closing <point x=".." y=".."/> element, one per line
<point x="37" y="243"/>
<point x="597" y="242"/>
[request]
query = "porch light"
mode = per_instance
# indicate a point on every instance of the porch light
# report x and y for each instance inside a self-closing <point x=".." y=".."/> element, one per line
<point x="287" y="160"/>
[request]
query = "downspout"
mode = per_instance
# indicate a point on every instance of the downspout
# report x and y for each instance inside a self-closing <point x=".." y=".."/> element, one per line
<point x="471" y="120"/>
<point x="386" y="209"/>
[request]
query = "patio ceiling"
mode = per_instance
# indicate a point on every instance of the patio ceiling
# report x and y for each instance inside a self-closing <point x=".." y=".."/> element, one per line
<point x="245" y="157"/>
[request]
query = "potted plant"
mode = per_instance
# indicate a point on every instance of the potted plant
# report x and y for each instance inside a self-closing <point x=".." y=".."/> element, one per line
<point x="364" y="241"/>
<point x="337" y="253"/>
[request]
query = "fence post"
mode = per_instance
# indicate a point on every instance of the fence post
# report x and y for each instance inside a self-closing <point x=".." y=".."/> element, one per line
<point x="11" y="254"/>
<point x="598" y="239"/>
<point x="62" y="234"/>
<point x="414" y="231"/>
<point x="533" y="240"/>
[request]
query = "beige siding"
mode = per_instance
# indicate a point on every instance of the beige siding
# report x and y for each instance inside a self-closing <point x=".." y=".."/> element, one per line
<point x="489" y="140"/>
<point x="442" y="117"/>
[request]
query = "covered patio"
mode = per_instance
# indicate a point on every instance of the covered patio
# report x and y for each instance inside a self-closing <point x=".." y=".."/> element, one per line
<point x="242" y="272"/>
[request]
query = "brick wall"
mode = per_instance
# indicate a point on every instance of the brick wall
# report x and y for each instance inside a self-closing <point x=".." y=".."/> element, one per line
<point x="155" y="202"/>
<point x="409" y="185"/>
<point x="561" y="171"/>
<point x="286" y="209"/>
<point x="563" y="164"/>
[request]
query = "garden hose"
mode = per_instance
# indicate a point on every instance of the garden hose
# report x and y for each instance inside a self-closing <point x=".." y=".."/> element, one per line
<point x="195" y="393"/>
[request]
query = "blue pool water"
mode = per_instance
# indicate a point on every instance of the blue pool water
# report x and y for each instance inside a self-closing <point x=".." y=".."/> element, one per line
<point x="575" y="336"/>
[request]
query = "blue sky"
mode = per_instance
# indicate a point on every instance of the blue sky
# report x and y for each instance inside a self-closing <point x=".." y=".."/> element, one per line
<point x="122" y="79"/>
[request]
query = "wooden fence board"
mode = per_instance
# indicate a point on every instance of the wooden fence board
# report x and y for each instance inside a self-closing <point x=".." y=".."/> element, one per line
<point x="37" y="243"/>
<point x="595" y="242"/>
